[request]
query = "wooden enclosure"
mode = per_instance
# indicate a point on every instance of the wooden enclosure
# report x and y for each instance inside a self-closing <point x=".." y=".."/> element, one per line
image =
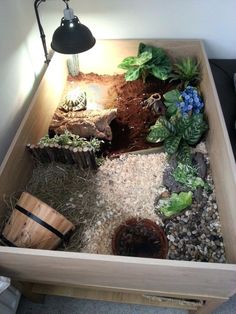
<point x="199" y="287"/>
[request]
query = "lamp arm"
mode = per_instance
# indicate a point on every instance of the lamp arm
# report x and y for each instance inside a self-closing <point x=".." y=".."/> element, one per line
<point x="41" y="31"/>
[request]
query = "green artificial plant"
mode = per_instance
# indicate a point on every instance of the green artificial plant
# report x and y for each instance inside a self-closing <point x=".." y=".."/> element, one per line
<point x="149" y="61"/>
<point x="71" y="140"/>
<point x="187" y="175"/>
<point x="175" y="203"/>
<point x="187" y="71"/>
<point x="178" y="133"/>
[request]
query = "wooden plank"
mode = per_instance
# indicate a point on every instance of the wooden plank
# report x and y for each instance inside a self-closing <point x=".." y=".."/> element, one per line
<point x="119" y="297"/>
<point x="151" y="275"/>
<point x="221" y="160"/>
<point x="17" y="165"/>
<point x="208" y="307"/>
<point x="50" y="288"/>
<point x="107" y="54"/>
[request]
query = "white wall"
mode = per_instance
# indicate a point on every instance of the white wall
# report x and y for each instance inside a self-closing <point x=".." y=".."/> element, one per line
<point x="21" y="54"/>
<point x="211" y="20"/>
<point x="21" y="60"/>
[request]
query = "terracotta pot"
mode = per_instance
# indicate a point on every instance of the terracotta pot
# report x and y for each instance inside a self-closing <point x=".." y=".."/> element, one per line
<point x="34" y="224"/>
<point x="140" y="238"/>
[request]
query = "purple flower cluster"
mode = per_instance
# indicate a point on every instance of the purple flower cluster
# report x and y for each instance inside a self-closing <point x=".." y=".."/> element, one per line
<point x="191" y="101"/>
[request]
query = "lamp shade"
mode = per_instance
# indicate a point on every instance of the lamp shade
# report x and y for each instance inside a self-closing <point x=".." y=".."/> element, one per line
<point x="72" y="37"/>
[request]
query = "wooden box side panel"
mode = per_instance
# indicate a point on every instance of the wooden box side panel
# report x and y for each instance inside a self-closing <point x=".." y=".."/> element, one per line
<point x="221" y="160"/>
<point x="181" y="278"/>
<point x="17" y="165"/>
<point x="106" y="55"/>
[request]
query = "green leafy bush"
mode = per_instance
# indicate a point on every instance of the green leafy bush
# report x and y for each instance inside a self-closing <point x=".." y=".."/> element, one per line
<point x="178" y="133"/>
<point x="175" y="204"/>
<point x="188" y="101"/>
<point x="71" y="140"/>
<point x="187" y="175"/>
<point x="149" y="61"/>
<point x="187" y="71"/>
<point x="171" y="98"/>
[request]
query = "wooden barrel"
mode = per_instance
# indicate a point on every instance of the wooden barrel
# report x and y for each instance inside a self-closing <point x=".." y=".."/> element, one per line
<point x="34" y="224"/>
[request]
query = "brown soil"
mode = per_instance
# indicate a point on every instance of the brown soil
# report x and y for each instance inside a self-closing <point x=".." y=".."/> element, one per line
<point x="133" y="120"/>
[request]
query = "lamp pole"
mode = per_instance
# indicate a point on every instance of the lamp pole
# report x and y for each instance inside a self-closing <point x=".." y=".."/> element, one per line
<point x="41" y="31"/>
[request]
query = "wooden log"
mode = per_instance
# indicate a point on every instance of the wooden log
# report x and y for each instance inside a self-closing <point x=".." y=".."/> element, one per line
<point x="82" y="157"/>
<point x="93" y="159"/>
<point x="32" y="149"/>
<point x="59" y="153"/>
<point x="76" y="157"/>
<point x="86" y="123"/>
<point x="43" y="153"/>
<point x="67" y="154"/>
<point x="49" y="151"/>
<point x="90" y="158"/>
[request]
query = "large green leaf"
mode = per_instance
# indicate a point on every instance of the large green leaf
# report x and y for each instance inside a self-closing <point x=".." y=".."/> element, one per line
<point x="128" y="62"/>
<point x="183" y="122"/>
<point x="167" y="124"/>
<point x="160" y="72"/>
<point x="144" y="57"/>
<point x="171" y="110"/>
<point x="132" y="74"/>
<point x="171" y="144"/>
<point x="158" y="133"/>
<point x="172" y="96"/>
<point x="159" y="58"/>
<point x="194" y="131"/>
<point x="184" y="153"/>
<point x="175" y="204"/>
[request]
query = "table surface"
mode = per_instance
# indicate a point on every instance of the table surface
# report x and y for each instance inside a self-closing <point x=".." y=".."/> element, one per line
<point x="223" y="72"/>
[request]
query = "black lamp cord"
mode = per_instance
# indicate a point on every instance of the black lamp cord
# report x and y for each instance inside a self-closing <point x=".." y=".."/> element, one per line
<point x="41" y="31"/>
<point x="66" y="2"/>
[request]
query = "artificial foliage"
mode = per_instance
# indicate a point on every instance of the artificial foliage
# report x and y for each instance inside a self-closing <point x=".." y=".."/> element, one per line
<point x="187" y="175"/>
<point x="186" y="102"/>
<point x="149" y="61"/>
<point x="178" y="133"/>
<point x="187" y="71"/>
<point x="71" y="140"/>
<point x="175" y="204"/>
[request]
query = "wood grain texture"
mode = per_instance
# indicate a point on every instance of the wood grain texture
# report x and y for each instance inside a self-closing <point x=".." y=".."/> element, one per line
<point x="25" y="232"/>
<point x="16" y="167"/>
<point x="198" y="280"/>
<point x="115" y="296"/>
<point x="106" y="55"/>
<point x="221" y="159"/>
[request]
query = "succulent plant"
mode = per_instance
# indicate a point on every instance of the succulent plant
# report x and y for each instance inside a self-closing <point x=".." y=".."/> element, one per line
<point x="149" y="61"/>
<point x="178" y="133"/>
<point x="187" y="71"/>
<point x="72" y="140"/>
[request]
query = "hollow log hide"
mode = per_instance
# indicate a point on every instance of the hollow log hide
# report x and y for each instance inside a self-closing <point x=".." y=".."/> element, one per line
<point x="87" y="123"/>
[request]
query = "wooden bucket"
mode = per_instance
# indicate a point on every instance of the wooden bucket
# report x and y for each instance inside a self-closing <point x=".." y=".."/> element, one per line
<point x="34" y="224"/>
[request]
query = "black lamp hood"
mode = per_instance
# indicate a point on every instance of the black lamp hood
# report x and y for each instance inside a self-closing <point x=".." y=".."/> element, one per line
<point x="72" y="37"/>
